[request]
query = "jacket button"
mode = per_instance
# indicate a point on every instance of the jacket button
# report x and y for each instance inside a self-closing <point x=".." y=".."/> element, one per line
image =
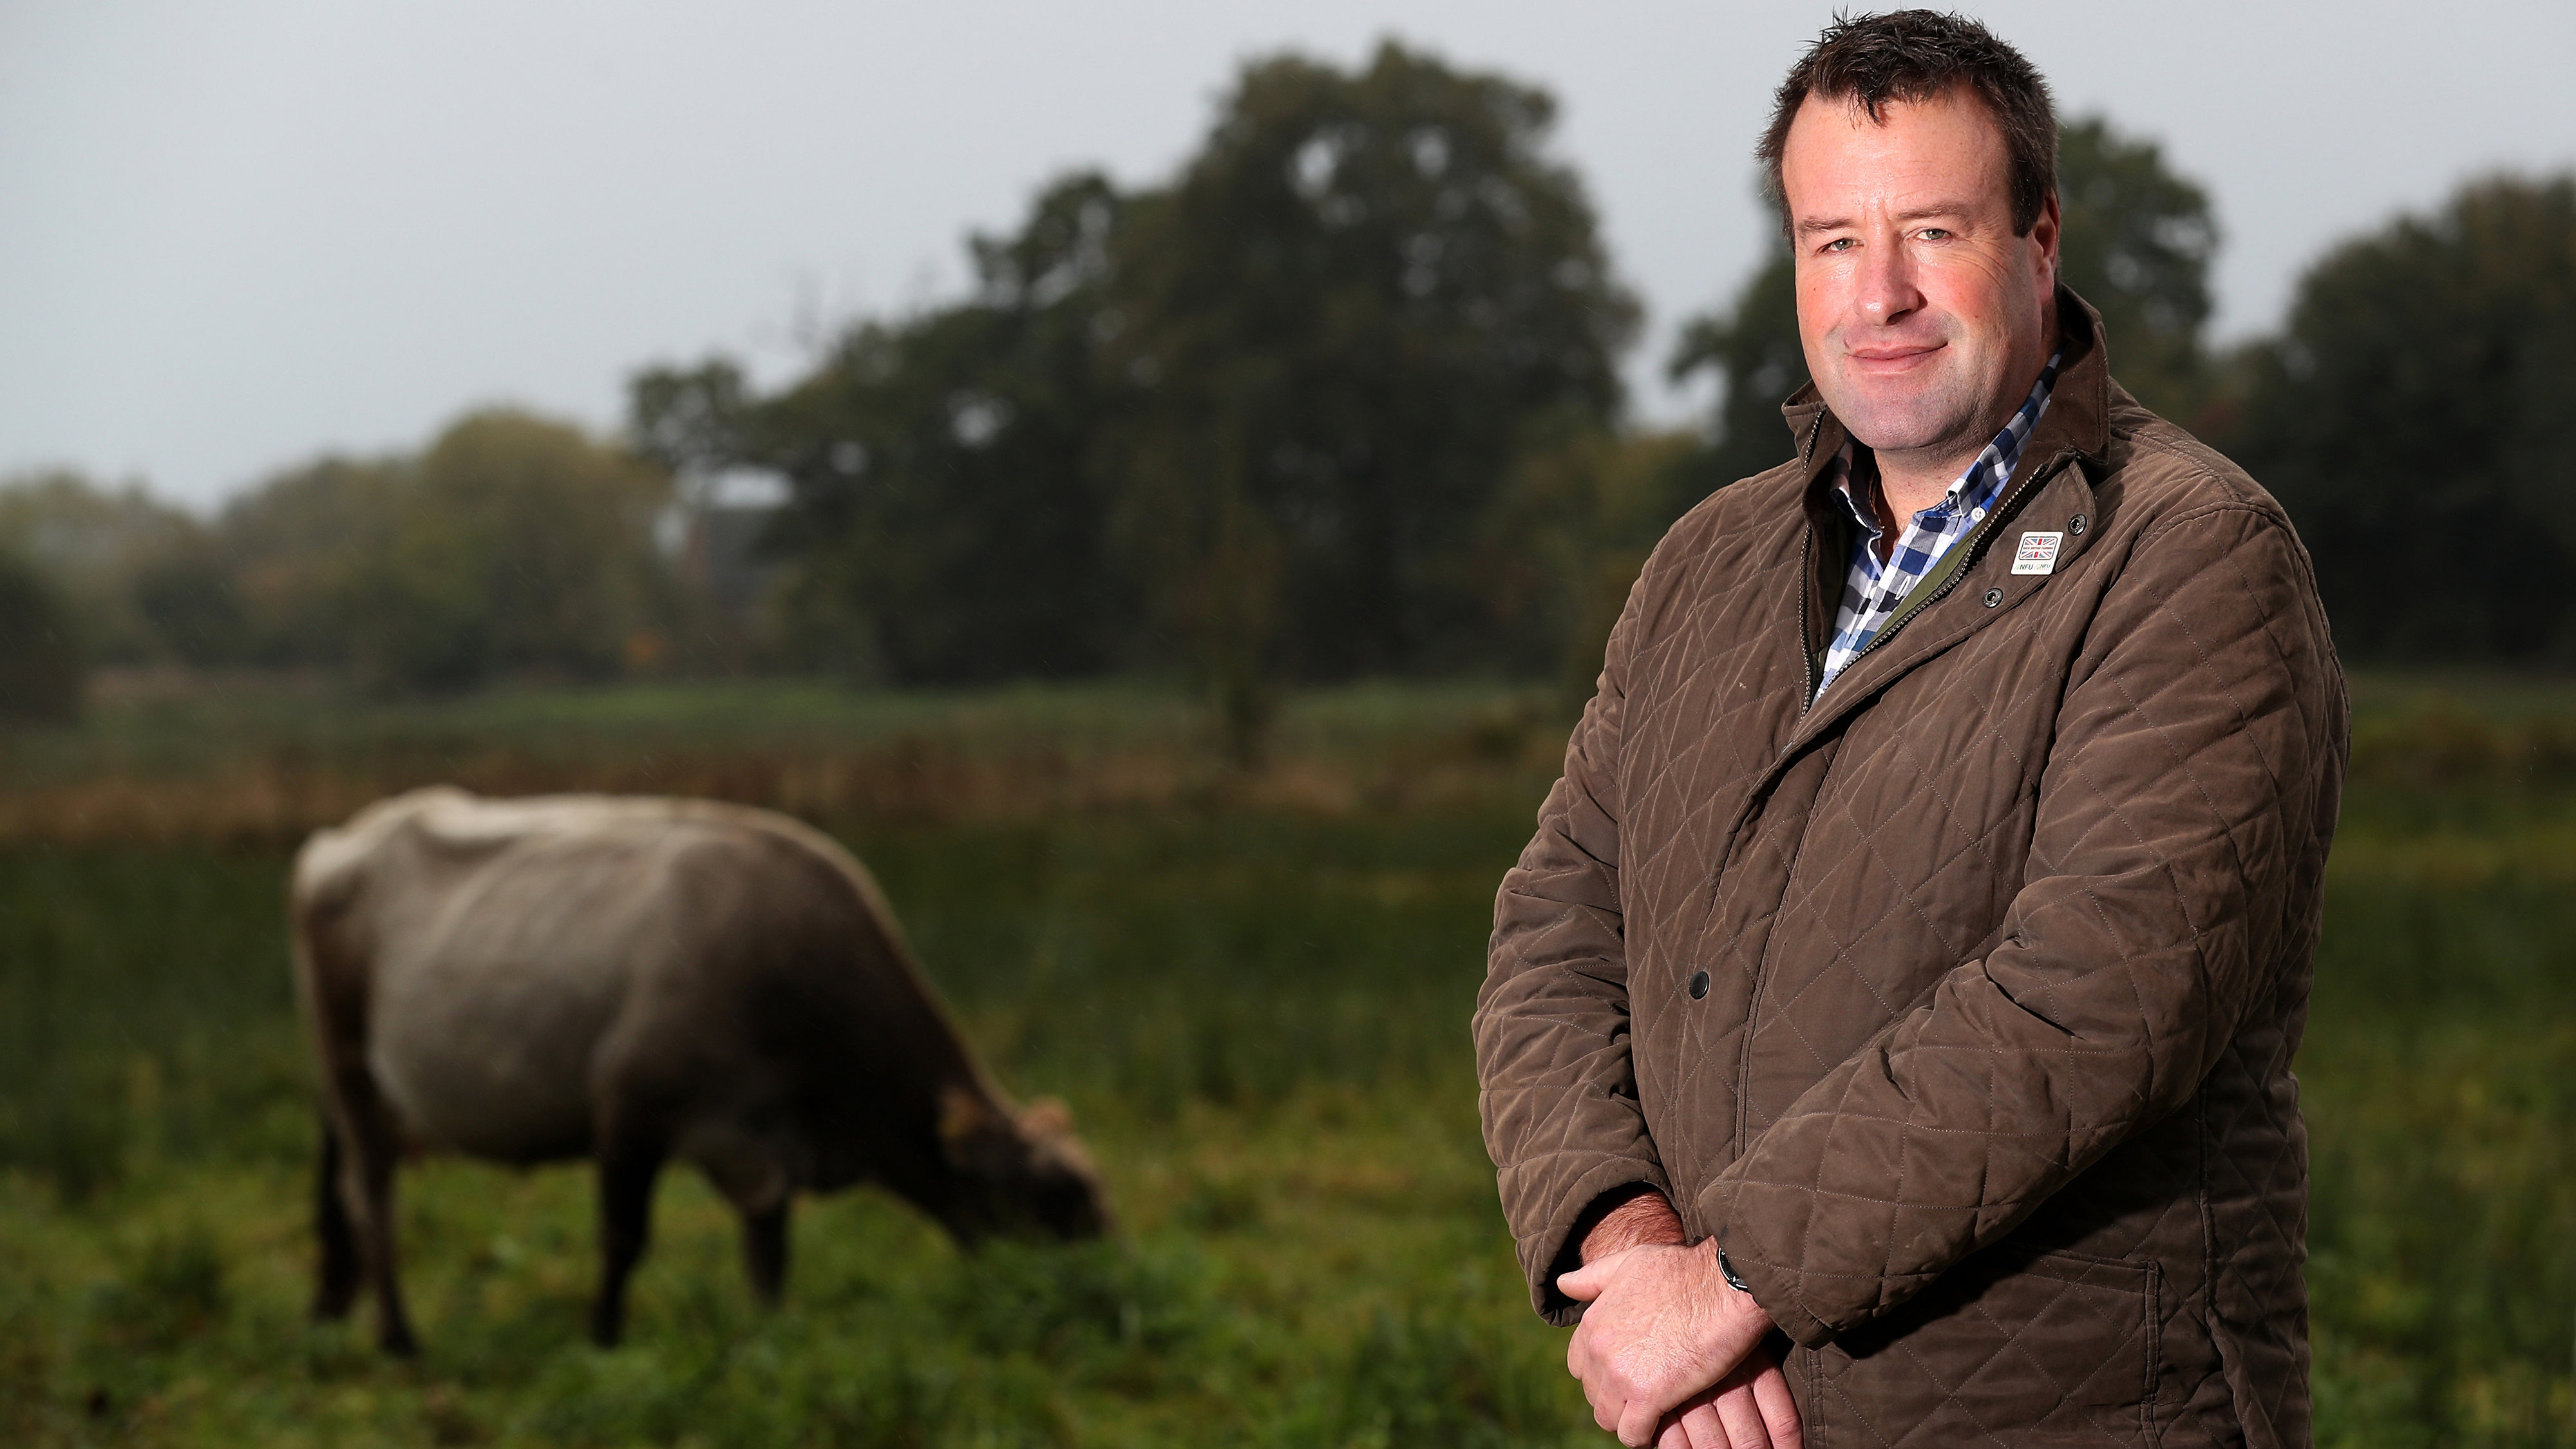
<point x="2077" y="524"/>
<point x="1994" y="597"/>
<point x="1698" y="985"/>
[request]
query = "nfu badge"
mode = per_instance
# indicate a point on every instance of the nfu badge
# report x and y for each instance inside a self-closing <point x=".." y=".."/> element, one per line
<point x="2038" y="553"/>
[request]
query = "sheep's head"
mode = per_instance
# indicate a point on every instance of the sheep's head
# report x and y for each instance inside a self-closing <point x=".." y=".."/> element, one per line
<point x="1019" y="1171"/>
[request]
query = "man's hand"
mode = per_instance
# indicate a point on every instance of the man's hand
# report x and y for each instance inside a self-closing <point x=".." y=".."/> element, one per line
<point x="1664" y="1325"/>
<point x="1749" y="1409"/>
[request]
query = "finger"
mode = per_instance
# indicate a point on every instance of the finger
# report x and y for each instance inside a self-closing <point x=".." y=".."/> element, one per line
<point x="1742" y="1421"/>
<point x="1779" y="1409"/>
<point x="1605" y="1407"/>
<point x="1706" y="1432"/>
<point x="1674" y="1435"/>
<point x="1585" y="1283"/>
<point x="1637" y="1423"/>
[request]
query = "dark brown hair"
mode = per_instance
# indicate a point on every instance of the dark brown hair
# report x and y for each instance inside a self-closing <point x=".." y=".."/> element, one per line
<point x="1911" y="56"/>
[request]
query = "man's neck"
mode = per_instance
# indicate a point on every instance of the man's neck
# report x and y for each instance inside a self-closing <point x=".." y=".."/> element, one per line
<point x="1908" y="483"/>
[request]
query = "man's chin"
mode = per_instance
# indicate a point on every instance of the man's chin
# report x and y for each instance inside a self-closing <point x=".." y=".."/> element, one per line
<point x="1891" y="430"/>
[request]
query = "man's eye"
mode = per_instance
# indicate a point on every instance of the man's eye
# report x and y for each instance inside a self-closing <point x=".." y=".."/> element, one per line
<point x="1934" y="233"/>
<point x="1839" y="244"/>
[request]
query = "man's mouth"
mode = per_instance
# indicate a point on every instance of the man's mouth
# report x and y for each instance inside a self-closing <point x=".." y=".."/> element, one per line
<point x="1887" y="359"/>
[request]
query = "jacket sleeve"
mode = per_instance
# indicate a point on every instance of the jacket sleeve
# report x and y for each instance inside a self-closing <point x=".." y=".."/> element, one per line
<point x="1558" y="1090"/>
<point x="2199" y="747"/>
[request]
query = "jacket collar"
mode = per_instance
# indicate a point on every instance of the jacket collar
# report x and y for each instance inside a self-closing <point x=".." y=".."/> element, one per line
<point x="2078" y="421"/>
<point x="2079" y="406"/>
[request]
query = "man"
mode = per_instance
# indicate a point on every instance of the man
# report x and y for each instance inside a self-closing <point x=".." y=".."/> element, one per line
<point x="1887" y="1034"/>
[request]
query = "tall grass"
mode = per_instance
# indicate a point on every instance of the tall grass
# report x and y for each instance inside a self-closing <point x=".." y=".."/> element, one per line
<point x="1259" y="1019"/>
<point x="1149" y="963"/>
<point x="1256" y="1006"/>
<point x="2440" y="1088"/>
<point x="144" y="1012"/>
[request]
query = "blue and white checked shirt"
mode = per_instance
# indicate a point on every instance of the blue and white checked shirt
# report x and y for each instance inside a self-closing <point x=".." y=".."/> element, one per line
<point x="1873" y="589"/>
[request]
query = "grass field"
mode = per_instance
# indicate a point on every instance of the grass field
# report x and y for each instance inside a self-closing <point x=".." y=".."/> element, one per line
<point x="1253" y="993"/>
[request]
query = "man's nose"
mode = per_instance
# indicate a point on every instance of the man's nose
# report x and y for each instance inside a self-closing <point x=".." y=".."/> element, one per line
<point x="1887" y="292"/>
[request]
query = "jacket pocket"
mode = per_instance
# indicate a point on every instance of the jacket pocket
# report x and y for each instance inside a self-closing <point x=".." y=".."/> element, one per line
<point x="2009" y="1346"/>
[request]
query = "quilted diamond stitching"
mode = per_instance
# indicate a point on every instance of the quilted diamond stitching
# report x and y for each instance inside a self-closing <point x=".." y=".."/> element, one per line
<point x="1690" y="789"/>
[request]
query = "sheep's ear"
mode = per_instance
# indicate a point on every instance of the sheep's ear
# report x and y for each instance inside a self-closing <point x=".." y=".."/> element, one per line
<point x="1047" y="1117"/>
<point x="966" y="1120"/>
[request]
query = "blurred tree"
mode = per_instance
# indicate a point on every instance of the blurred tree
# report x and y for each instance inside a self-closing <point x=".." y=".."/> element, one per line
<point x="2412" y="417"/>
<point x="93" y="545"/>
<point x="40" y="670"/>
<point x="517" y="545"/>
<point x="690" y="421"/>
<point x="1569" y="536"/>
<point x="1759" y="361"/>
<point x="948" y="499"/>
<point x="295" y="547"/>
<point x="1260" y="421"/>
<point x="1349" y="313"/>
<point x="2137" y="244"/>
<point x="188" y="598"/>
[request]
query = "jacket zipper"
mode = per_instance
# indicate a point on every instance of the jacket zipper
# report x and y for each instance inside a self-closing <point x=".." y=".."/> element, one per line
<point x="1807" y="577"/>
<point x="1806" y="588"/>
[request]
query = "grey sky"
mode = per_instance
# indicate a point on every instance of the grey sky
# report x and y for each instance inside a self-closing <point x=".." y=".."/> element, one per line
<point x="234" y="235"/>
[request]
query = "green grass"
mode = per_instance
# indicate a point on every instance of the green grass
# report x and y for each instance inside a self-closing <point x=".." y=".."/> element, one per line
<point x="1258" y="1015"/>
<point x="2440" y="1087"/>
<point x="1259" y="1021"/>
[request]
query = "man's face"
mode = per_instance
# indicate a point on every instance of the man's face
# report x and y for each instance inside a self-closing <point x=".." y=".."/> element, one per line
<point x="1925" y="319"/>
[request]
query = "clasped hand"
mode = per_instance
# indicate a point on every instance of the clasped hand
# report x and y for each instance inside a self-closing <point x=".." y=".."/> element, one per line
<point x="1671" y="1354"/>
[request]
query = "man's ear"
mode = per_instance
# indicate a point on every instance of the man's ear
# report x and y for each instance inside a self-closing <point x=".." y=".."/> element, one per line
<point x="2046" y="230"/>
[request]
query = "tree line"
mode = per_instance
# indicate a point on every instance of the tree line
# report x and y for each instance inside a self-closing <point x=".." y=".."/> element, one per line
<point x="1340" y="397"/>
<point x="510" y="544"/>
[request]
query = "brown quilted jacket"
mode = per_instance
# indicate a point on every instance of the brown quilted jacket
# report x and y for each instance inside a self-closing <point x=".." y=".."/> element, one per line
<point x="1959" y="1006"/>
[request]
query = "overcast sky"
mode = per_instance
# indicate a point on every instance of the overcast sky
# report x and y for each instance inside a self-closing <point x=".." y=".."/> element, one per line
<point x="237" y="233"/>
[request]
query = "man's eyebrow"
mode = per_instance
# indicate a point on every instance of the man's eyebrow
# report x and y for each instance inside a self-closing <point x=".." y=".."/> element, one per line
<point x="1808" y="226"/>
<point x="1934" y="208"/>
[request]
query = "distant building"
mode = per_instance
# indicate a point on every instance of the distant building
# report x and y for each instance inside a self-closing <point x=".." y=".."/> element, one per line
<point x="716" y="539"/>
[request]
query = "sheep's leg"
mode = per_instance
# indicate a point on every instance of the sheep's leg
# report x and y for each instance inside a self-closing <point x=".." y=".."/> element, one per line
<point x="628" y="1166"/>
<point x="337" y="1282"/>
<point x="367" y="1186"/>
<point x="362" y="1144"/>
<point x="764" y="1250"/>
